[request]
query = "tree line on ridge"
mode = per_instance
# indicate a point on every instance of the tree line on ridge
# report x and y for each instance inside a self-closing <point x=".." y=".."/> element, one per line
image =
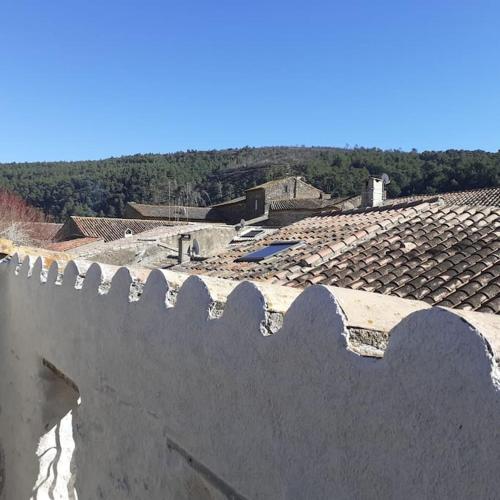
<point x="103" y="187"/>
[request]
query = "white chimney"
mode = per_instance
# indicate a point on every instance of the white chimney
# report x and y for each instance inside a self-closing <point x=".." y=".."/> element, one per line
<point x="184" y="248"/>
<point x="373" y="194"/>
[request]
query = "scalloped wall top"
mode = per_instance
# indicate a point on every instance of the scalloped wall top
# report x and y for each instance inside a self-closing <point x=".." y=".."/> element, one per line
<point x="363" y="310"/>
<point x="193" y="387"/>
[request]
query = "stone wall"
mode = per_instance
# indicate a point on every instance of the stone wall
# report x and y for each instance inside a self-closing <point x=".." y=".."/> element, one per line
<point x="159" y="248"/>
<point x="258" y="199"/>
<point x="305" y="190"/>
<point x="125" y="391"/>
<point x="288" y="189"/>
<point x="232" y="213"/>
<point x="255" y="203"/>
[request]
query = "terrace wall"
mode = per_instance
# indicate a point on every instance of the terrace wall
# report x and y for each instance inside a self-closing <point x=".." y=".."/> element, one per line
<point x="125" y="392"/>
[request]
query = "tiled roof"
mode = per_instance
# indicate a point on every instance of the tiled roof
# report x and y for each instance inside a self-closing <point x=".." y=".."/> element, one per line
<point x="108" y="228"/>
<point x="319" y="234"/>
<point x="275" y="182"/>
<point x="40" y="231"/>
<point x="478" y="197"/>
<point x="175" y="212"/>
<point x="302" y="204"/>
<point x="444" y="254"/>
<point x="240" y="199"/>
<point x="144" y="238"/>
<point x="64" y="246"/>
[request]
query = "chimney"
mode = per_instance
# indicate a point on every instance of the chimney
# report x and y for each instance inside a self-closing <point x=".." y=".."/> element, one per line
<point x="184" y="246"/>
<point x="373" y="193"/>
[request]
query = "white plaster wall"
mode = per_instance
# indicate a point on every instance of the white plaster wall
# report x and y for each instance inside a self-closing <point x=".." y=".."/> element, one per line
<point x="183" y="402"/>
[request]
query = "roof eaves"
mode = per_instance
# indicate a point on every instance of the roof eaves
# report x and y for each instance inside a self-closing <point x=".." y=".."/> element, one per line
<point x="273" y="182"/>
<point x="234" y="201"/>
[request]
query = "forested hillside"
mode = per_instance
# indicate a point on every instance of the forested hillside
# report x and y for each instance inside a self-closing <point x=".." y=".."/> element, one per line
<point x="103" y="187"/>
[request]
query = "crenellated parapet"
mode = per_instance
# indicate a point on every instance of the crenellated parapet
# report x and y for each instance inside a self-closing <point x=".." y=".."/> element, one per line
<point x="162" y="386"/>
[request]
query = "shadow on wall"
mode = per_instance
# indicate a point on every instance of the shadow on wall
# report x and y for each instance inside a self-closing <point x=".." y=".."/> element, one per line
<point x="2" y="467"/>
<point x="55" y="452"/>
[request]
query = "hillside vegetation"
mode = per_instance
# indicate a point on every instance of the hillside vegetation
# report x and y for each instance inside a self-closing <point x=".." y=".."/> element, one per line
<point x="103" y="187"/>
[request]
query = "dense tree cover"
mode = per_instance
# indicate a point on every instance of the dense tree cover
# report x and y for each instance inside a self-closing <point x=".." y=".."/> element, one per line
<point x="103" y="187"/>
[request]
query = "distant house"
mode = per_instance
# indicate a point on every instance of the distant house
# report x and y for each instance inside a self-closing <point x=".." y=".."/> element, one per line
<point x="171" y="213"/>
<point x="442" y="249"/>
<point x="104" y="228"/>
<point x="259" y="198"/>
<point x="284" y="212"/>
<point x="278" y="202"/>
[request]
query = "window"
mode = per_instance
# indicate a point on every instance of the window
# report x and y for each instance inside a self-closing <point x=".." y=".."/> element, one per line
<point x="252" y="233"/>
<point x="268" y="251"/>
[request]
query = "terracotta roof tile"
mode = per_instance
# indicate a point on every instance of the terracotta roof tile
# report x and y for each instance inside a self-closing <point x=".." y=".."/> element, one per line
<point x="64" y="246"/>
<point x="42" y="231"/>
<point x="38" y="232"/>
<point x="307" y="203"/>
<point x="475" y="197"/>
<point x="443" y="254"/>
<point x="176" y="212"/>
<point x="106" y="228"/>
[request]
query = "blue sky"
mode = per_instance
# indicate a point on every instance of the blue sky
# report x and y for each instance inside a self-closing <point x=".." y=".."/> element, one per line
<point x="91" y="79"/>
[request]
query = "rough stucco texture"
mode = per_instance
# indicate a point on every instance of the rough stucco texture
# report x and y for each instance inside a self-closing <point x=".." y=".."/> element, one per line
<point x="178" y="402"/>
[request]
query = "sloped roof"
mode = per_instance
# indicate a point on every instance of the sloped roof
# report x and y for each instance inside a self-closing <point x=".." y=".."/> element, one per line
<point x="64" y="246"/>
<point x="234" y="201"/>
<point x="268" y="184"/>
<point x="444" y="254"/>
<point x="478" y="197"/>
<point x="107" y="228"/>
<point x="144" y="238"/>
<point x="308" y="203"/>
<point x="175" y="212"/>
<point x="40" y="231"/>
<point x="317" y="233"/>
<point x="283" y="180"/>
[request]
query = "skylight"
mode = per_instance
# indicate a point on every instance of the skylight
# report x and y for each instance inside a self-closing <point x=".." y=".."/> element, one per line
<point x="252" y="233"/>
<point x="268" y="251"/>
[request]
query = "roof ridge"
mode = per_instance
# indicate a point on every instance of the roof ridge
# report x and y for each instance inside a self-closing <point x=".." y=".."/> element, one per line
<point x="166" y="205"/>
<point x="477" y="208"/>
<point x="281" y="179"/>
<point x="471" y="190"/>
<point x="110" y="219"/>
<point x="381" y="208"/>
<point x="472" y="197"/>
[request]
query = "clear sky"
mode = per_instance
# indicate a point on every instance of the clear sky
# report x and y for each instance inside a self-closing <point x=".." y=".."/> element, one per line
<point x="88" y="79"/>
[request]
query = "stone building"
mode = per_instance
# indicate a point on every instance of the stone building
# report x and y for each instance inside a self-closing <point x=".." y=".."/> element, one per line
<point x="265" y="202"/>
<point x="259" y="198"/>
